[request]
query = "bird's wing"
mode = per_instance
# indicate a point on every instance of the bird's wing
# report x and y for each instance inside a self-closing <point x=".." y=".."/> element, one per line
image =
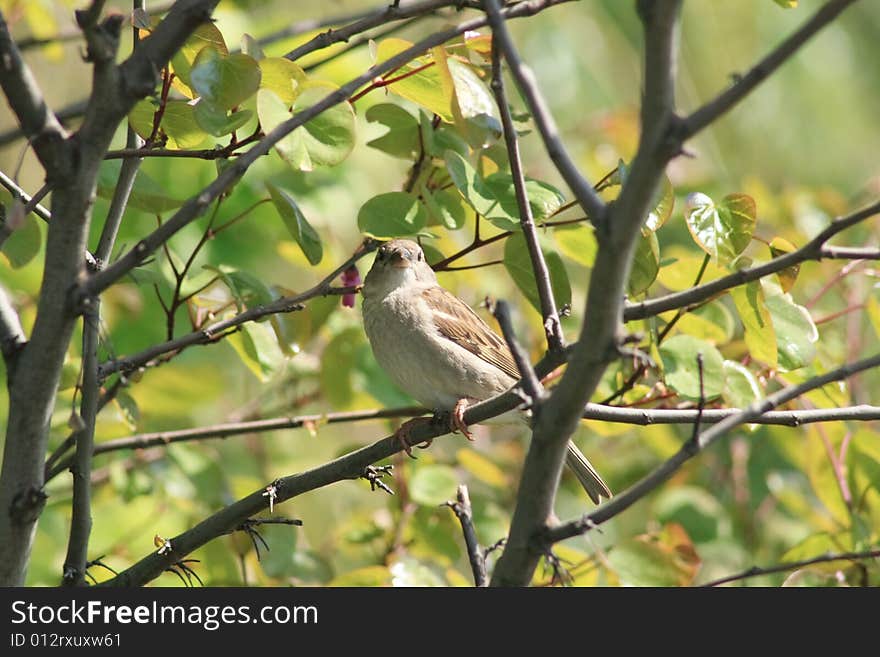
<point x="456" y="321"/>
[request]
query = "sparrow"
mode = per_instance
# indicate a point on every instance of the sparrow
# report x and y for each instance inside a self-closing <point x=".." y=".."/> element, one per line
<point x="436" y="348"/>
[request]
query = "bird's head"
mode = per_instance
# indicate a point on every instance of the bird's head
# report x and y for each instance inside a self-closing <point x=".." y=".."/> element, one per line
<point x="398" y="263"/>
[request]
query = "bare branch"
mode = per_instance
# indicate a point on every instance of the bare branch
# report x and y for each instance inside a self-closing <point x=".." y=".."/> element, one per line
<point x="217" y="330"/>
<point x="815" y="249"/>
<point x="549" y="312"/>
<point x="462" y="510"/>
<point x="693" y="447"/>
<point x="196" y="205"/>
<point x="37" y="121"/>
<point x="755" y="571"/>
<point x="530" y="382"/>
<point x="599" y="342"/>
<point x="393" y="12"/>
<point x="19" y="194"/>
<point x="12" y="337"/>
<point x="162" y="438"/>
<point x="745" y="84"/>
<point x="525" y="80"/>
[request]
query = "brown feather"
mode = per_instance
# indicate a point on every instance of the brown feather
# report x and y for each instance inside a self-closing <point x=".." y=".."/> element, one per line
<point x="457" y="322"/>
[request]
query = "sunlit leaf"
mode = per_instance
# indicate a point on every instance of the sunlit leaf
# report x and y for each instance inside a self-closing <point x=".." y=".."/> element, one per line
<point x="645" y="264"/>
<point x="432" y="485"/>
<point x="722" y="230"/>
<point x="519" y="265"/>
<point x="418" y="81"/>
<point x="481" y="468"/>
<point x="205" y="35"/>
<point x="578" y="243"/>
<point x="664" y="201"/>
<point x="740" y="385"/>
<point x="796" y="334"/>
<point x="300" y="229"/>
<point x="444" y="208"/>
<point x="682" y="371"/>
<point x="283" y="77"/>
<point x="225" y="80"/>
<point x="664" y="559"/>
<point x="787" y="276"/>
<point x="393" y="214"/>
<point x="759" y="334"/>
<point x="402" y="138"/>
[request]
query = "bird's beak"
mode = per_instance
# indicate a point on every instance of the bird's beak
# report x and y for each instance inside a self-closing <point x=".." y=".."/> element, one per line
<point x="400" y="259"/>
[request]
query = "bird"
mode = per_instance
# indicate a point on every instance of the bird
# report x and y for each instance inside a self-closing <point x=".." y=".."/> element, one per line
<point x="435" y="348"/>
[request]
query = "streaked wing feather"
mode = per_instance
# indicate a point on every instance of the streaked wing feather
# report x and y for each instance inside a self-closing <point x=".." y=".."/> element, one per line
<point x="457" y="322"/>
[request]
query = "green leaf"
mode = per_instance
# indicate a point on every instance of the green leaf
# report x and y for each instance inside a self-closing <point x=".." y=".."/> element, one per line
<point x="258" y="349"/>
<point x="128" y="409"/>
<point x="23" y="244"/>
<point x="796" y="334"/>
<point x="250" y="46"/>
<point x="326" y="140"/>
<point x="475" y="103"/>
<point x="787" y="276"/>
<point x="393" y="214"/>
<point x="578" y="243"/>
<point x="519" y="266"/>
<point x="146" y="194"/>
<point x="645" y="265"/>
<point x="337" y="366"/>
<point x="424" y="88"/>
<point x="544" y="199"/>
<point x="444" y="208"/>
<point x="702" y="515"/>
<point x="740" y="385"/>
<point x="205" y="35"/>
<point x="178" y="123"/>
<point x="679" y="354"/>
<point x="214" y="120"/>
<point x="481" y="468"/>
<point x="649" y="561"/>
<point x="712" y="322"/>
<point x="787" y="4"/>
<point x="723" y="230"/>
<point x="433" y="485"/>
<point x="279" y="560"/>
<point x="225" y="80"/>
<point x="300" y="229"/>
<point x="402" y="138"/>
<point x="664" y="201"/>
<point x="282" y="77"/>
<point x="476" y="192"/>
<point x="759" y="334"/>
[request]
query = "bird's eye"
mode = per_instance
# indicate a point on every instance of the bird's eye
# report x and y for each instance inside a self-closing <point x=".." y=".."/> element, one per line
<point x="420" y="256"/>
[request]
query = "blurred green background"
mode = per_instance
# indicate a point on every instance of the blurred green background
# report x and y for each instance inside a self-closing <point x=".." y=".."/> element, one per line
<point x="804" y="145"/>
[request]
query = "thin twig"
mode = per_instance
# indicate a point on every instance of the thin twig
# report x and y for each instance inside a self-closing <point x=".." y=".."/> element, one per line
<point x="549" y="312"/>
<point x="477" y="557"/>
<point x="755" y="571"/>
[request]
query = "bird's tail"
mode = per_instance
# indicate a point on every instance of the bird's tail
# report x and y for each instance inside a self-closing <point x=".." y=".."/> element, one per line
<point x="586" y="474"/>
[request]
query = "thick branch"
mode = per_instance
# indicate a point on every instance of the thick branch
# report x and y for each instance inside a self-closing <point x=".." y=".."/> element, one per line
<point x="599" y="341"/>
<point x="745" y="84"/>
<point x="693" y="447"/>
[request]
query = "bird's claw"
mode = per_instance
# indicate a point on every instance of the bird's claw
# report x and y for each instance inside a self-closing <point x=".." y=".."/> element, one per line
<point x="456" y="419"/>
<point x="402" y="435"/>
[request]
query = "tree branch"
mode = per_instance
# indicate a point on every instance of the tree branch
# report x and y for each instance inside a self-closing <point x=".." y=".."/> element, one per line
<point x="549" y="312"/>
<point x="217" y="330"/>
<point x="19" y="194"/>
<point x="599" y="342"/>
<point x="462" y="510"/>
<point x="12" y="338"/>
<point x="38" y="123"/>
<point x="815" y="249"/>
<point x="690" y="449"/>
<point x="755" y="571"/>
<point x="393" y="12"/>
<point x="525" y="80"/>
<point x="33" y="393"/>
<point x="196" y="205"/>
<point x="745" y="84"/>
<point x="162" y="438"/>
